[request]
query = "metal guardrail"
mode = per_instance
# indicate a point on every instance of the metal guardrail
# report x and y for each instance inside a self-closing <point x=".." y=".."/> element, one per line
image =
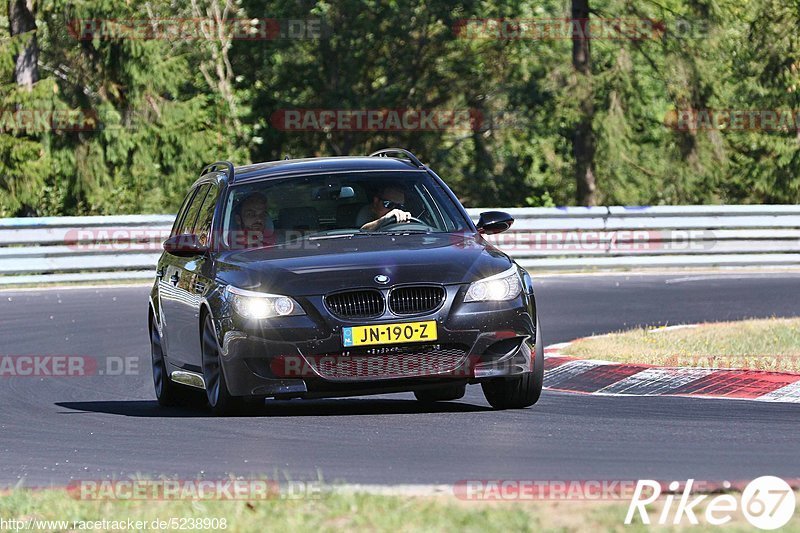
<point x="64" y="249"/>
<point x="95" y="248"/>
<point x="618" y="237"/>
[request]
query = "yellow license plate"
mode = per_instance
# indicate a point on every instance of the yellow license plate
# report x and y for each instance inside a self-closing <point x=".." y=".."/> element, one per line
<point x="389" y="333"/>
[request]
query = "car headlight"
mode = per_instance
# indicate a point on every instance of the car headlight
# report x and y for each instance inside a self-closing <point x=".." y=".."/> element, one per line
<point x="503" y="286"/>
<point x="258" y="305"/>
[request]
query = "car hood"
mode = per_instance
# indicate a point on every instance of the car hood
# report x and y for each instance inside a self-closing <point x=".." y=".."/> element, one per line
<point x="319" y="266"/>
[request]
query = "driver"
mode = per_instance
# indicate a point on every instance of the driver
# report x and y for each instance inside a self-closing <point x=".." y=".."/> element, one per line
<point x="388" y="203"/>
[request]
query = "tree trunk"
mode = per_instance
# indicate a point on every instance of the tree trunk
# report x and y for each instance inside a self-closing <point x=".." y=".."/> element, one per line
<point x="22" y="20"/>
<point x="583" y="141"/>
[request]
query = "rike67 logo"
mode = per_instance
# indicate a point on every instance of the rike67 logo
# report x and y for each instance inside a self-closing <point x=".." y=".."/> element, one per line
<point x="767" y="502"/>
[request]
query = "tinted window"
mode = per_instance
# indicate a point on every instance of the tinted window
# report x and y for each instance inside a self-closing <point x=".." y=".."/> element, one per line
<point x="187" y="224"/>
<point x="182" y="213"/>
<point x="202" y="227"/>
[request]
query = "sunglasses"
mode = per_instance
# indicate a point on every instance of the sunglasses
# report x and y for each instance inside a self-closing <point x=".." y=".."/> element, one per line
<point x="388" y="204"/>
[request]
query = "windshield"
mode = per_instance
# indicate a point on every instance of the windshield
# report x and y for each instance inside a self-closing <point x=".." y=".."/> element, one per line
<point x="277" y="211"/>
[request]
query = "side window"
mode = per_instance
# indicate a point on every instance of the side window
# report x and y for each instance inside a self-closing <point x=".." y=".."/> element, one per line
<point x="187" y="224"/>
<point x="182" y="213"/>
<point x="202" y="227"/>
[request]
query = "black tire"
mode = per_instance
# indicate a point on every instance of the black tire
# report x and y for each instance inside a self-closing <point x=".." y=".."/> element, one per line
<point x="168" y="393"/>
<point x="219" y="398"/>
<point x="444" y="393"/>
<point x="521" y="392"/>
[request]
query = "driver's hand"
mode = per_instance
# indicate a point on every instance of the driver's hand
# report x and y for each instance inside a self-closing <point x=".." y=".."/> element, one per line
<point x="399" y="214"/>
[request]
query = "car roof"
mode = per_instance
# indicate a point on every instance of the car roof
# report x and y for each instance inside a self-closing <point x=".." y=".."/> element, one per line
<point x="317" y="165"/>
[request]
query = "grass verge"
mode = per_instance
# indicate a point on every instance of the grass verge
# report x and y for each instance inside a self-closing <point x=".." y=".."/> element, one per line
<point x="344" y="512"/>
<point x="771" y="344"/>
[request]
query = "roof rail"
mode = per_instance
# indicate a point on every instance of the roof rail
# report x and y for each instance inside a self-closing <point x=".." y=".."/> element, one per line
<point x="213" y="167"/>
<point x="409" y="155"/>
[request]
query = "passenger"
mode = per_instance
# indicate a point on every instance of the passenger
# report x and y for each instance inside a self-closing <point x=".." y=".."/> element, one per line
<point x="255" y="228"/>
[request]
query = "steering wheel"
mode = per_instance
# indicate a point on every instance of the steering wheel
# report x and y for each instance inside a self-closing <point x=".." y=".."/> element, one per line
<point x="393" y="220"/>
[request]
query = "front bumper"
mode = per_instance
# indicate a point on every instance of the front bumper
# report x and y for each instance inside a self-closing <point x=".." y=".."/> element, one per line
<point x="303" y="356"/>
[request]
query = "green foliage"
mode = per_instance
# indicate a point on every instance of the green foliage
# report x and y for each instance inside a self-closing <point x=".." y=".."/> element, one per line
<point x="164" y="107"/>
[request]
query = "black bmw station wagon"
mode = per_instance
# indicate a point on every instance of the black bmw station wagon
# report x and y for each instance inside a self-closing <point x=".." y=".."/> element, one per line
<point x="338" y="276"/>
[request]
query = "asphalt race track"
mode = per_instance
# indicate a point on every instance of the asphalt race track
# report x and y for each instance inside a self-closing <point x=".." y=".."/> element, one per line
<point x="55" y="429"/>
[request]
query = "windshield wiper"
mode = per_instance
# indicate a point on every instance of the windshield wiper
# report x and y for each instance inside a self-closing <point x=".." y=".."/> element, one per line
<point x="324" y="235"/>
<point x="396" y="232"/>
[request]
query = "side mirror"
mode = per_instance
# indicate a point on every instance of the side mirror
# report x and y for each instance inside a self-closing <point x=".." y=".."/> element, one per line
<point x="346" y="192"/>
<point x="492" y="222"/>
<point x="185" y="245"/>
